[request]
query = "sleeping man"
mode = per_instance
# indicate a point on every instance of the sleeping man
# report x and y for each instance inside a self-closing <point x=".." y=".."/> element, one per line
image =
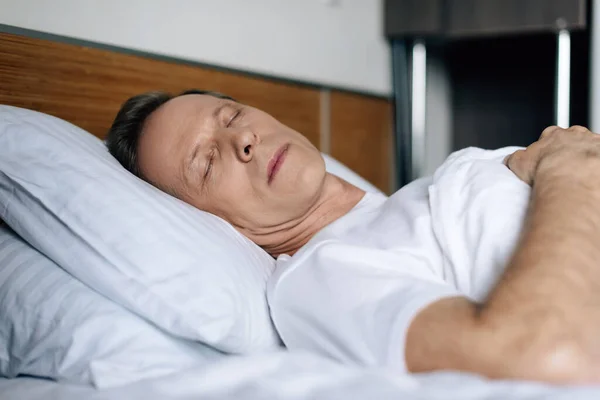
<point x="480" y="268"/>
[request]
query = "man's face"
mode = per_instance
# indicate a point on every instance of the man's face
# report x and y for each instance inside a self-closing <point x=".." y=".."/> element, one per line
<point x="231" y="160"/>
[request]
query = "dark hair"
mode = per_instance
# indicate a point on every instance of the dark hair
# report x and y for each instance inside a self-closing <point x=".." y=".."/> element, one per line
<point x="123" y="136"/>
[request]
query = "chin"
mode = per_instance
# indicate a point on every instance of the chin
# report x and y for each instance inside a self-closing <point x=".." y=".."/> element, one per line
<point x="304" y="175"/>
<point x="303" y="185"/>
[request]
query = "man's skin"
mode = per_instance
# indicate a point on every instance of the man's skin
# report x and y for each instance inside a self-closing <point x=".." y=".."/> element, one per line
<point x="542" y="320"/>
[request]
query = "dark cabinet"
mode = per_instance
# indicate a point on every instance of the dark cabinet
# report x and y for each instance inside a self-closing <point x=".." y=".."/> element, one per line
<point x="456" y="18"/>
<point x="413" y="17"/>
<point x="480" y="17"/>
<point x="496" y="74"/>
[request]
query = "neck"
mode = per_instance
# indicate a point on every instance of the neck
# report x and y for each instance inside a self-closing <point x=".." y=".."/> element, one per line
<point x="337" y="198"/>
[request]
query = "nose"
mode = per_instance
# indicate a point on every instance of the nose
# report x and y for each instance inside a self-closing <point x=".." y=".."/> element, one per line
<point x="245" y="144"/>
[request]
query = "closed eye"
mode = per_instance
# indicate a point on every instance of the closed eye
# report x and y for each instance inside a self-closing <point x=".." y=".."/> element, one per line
<point x="235" y="116"/>
<point x="209" y="164"/>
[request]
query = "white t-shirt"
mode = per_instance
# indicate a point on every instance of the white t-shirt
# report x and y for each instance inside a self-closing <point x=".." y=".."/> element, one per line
<point x="353" y="290"/>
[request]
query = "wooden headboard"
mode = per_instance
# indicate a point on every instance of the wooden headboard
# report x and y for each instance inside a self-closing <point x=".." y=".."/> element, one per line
<point x="86" y="85"/>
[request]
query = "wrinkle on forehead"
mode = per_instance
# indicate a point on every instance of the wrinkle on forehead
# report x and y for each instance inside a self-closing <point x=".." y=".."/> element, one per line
<point x="165" y="139"/>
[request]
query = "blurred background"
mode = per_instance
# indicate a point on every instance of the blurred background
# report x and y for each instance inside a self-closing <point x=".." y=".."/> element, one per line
<point x="388" y="87"/>
<point x="487" y="73"/>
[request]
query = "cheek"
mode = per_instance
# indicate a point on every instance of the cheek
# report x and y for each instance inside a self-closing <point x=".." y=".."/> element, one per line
<point x="231" y="194"/>
<point x="311" y="177"/>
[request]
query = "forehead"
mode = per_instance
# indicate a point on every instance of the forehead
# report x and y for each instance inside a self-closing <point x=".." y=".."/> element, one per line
<point x="181" y="111"/>
<point x="164" y="139"/>
<point x="166" y="127"/>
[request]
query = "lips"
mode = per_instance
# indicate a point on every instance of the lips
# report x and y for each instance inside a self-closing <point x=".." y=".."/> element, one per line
<point x="276" y="162"/>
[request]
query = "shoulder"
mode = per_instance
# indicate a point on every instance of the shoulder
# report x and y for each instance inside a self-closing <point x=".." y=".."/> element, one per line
<point x="478" y="206"/>
<point x="473" y="171"/>
<point x="467" y="160"/>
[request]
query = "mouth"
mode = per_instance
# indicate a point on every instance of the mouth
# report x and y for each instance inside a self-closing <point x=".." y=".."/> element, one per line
<point x="276" y="162"/>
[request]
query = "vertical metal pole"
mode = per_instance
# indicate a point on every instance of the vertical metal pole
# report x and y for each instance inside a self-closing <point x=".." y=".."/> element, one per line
<point x="418" y="102"/>
<point x="563" y="79"/>
<point x="402" y="116"/>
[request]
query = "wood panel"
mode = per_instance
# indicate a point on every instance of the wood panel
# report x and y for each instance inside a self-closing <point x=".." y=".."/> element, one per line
<point x="86" y="86"/>
<point x="361" y="136"/>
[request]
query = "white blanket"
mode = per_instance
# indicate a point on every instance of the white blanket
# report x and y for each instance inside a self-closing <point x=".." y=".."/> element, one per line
<point x="477" y="210"/>
<point x="287" y="376"/>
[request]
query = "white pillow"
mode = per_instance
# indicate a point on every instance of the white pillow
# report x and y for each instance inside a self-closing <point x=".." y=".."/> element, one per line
<point x="53" y="326"/>
<point x="186" y="271"/>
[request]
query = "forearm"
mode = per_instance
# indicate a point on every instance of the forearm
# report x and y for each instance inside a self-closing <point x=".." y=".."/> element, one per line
<point x="549" y="296"/>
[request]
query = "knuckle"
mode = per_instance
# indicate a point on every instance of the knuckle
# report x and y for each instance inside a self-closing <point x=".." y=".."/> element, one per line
<point x="579" y="129"/>
<point x="515" y="160"/>
<point x="549" y="131"/>
<point x="519" y="153"/>
<point x="515" y="155"/>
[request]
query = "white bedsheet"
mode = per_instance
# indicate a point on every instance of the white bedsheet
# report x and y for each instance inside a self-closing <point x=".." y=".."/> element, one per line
<point x="290" y="376"/>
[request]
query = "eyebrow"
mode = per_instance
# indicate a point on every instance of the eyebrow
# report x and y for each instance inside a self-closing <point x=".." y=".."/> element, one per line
<point x="217" y="112"/>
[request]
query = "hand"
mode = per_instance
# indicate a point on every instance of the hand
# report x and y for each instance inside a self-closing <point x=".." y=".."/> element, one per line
<point x="558" y="151"/>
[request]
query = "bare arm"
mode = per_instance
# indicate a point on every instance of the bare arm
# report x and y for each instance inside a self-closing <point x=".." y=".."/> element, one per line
<point x="542" y="320"/>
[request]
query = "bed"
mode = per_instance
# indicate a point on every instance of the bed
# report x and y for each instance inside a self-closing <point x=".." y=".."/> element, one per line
<point x="69" y="81"/>
<point x="296" y="376"/>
